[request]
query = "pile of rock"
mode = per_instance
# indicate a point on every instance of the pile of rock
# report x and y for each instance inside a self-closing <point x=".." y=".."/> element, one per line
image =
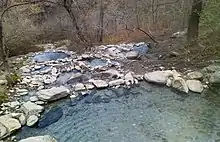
<point x="174" y="79"/>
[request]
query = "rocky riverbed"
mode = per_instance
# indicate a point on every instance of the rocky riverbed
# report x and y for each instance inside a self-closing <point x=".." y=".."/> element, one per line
<point x="89" y="82"/>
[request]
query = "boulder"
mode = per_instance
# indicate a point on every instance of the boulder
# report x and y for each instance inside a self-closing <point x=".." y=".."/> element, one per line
<point x="32" y="120"/>
<point x="195" y="75"/>
<point x="30" y="108"/>
<point x="180" y="84"/>
<point x="100" y="83"/>
<point x="3" y="131"/>
<point x="116" y="82"/>
<point x="195" y="86"/>
<point x="160" y="77"/>
<point x="45" y="138"/>
<point x="132" y="55"/>
<point x="53" y="93"/>
<point x="79" y="87"/>
<point x="8" y="125"/>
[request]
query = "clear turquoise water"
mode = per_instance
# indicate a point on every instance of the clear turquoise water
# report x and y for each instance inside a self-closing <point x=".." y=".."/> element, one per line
<point x="146" y="113"/>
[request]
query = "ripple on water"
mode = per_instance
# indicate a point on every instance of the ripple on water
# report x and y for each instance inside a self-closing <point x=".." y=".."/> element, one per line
<point x="137" y="115"/>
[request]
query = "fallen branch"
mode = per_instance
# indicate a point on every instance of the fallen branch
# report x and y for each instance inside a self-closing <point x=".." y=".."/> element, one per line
<point x="149" y="35"/>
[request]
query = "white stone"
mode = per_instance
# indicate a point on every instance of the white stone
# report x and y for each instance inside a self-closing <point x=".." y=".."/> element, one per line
<point x="132" y="55"/>
<point x="139" y="77"/>
<point x="79" y="87"/>
<point x="11" y="125"/>
<point x="54" y="71"/>
<point x="32" y="120"/>
<point x="45" y="138"/>
<point x="40" y="102"/>
<point x="3" y="131"/>
<point x="22" y="119"/>
<point x="169" y="82"/>
<point x="160" y="77"/>
<point x="195" y="75"/>
<point x="89" y="86"/>
<point x="53" y="93"/>
<point x="129" y="79"/>
<point x="13" y="104"/>
<point x="116" y="82"/>
<point x="113" y="73"/>
<point x="30" y="108"/>
<point x="33" y="98"/>
<point x="180" y="84"/>
<point x="195" y="86"/>
<point x="100" y="83"/>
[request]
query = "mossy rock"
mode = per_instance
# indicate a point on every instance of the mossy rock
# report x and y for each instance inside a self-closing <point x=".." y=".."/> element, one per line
<point x="3" y="94"/>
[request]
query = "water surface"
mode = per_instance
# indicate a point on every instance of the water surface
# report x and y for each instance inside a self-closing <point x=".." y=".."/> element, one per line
<point x="146" y="113"/>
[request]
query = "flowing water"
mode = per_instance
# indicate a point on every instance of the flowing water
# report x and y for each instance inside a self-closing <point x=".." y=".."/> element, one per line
<point x="145" y="113"/>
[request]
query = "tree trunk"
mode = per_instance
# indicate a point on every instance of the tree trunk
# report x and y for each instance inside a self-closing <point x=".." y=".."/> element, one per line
<point x="2" y="48"/>
<point x="101" y="23"/>
<point x="193" y="27"/>
<point x="67" y="6"/>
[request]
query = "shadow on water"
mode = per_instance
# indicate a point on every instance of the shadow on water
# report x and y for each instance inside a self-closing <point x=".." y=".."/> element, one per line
<point x="146" y="113"/>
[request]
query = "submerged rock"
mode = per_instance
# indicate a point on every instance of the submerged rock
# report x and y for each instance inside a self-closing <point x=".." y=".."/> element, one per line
<point x="50" y="117"/>
<point x="195" y="86"/>
<point x="53" y="93"/>
<point x="45" y="138"/>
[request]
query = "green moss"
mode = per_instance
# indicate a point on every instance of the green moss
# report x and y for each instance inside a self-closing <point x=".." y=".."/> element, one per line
<point x="12" y="79"/>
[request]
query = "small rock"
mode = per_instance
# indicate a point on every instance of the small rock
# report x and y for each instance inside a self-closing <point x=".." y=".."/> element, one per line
<point x="89" y="86"/>
<point x="40" y="102"/>
<point x="195" y="86"/>
<point x="195" y="75"/>
<point x="174" y="54"/>
<point x="180" y="84"/>
<point x="30" y="108"/>
<point x="100" y="83"/>
<point x="53" y="93"/>
<point x="129" y="79"/>
<point x="169" y="82"/>
<point x="79" y="87"/>
<point x="45" y="138"/>
<point x="117" y="82"/>
<point x="132" y="55"/>
<point x="32" y="120"/>
<point x="139" y="77"/>
<point x="33" y="99"/>
<point x="22" y="119"/>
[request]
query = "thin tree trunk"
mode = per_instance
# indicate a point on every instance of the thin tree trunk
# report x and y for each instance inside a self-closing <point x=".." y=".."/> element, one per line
<point x="193" y="27"/>
<point x="74" y="22"/>
<point x="2" y="49"/>
<point x="100" y="31"/>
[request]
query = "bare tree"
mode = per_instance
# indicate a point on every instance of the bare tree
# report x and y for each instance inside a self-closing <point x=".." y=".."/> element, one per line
<point x="193" y="26"/>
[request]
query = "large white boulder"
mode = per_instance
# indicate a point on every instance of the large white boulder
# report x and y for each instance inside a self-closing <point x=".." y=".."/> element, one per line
<point x="30" y="108"/>
<point x="8" y="125"/>
<point x="45" y="138"/>
<point x="160" y="77"/>
<point x="53" y="93"/>
<point x="195" y="86"/>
